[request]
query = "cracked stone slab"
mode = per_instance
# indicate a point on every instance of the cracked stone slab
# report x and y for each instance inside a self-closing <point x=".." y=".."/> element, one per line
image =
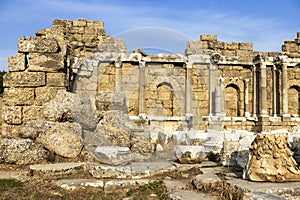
<point x="73" y="183"/>
<point x="56" y="169"/>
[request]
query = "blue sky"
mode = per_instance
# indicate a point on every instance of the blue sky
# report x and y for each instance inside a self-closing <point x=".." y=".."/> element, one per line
<point x="157" y="24"/>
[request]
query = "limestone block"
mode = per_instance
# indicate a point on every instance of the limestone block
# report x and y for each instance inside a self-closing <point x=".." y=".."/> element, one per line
<point x="80" y="22"/>
<point x="10" y="131"/>
<point x="111" y="101"/>
<point x="290" y="46"/>
<point x="34" y="129"/>
<point x="96" y="24"/>
<point x="12" y="114"/>
<point x="18" y="96"/>
<point x="190" y="154"/>
<point x="20" y="151"/>
<point x="45" y="94"/>
<point x="56" y="79"/>
<point x="231" y="45"/>
<point x="113" y="155"/>
<point x="16" y="62"/>
<point x="24" y="79"/>
<point x="64" y="139"/>
<point x="32" y="113"/>
<point x="246" y="46"/>
<point x="46" y="62"/>
<point x="243" y="53"/>
<point x="208" y="37"/>
<point x="37" y="44"/>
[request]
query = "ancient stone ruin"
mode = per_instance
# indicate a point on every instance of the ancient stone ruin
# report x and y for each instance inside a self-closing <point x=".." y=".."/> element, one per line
<point x="74" y="93"/>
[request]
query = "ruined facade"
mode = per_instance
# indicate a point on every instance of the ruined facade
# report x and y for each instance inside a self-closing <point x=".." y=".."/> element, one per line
<point x="216" y="85"/>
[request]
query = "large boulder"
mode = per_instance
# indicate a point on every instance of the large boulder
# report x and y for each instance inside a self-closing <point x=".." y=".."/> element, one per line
<point x="20" y="151"/>
<point x="67" y="106"/>
<point x="64" y="139"/>
<point x="113" y="155"/>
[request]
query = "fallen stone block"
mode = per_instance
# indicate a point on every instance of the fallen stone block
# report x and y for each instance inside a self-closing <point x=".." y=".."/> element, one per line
<point x="190" y="154"/>
<point x="204" y="182"/>
<point x="113" y="155"/>
<point x="64" y="139"/>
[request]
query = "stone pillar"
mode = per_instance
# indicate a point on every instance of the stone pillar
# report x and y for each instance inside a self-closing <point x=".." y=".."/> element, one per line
<point x="254" y="92"/>
<point x="284" y="86"/>
<point x="213" y="82"/>
<point x="246" y="100"/>
<point x="188" y="90"/>
<point x="263" y="88"/>
<point x="118" y="77"/>
<point x="142" y="66"/>
<point x="274" y="69"/>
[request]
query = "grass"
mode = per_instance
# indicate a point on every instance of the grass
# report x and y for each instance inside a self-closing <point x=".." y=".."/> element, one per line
<point x="5" y="184"/>
<point x="156" y="187"/>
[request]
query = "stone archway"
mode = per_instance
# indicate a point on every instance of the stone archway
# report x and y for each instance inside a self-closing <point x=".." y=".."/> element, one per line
<point x="232" y="98"/>
<point x="294" y="100"/>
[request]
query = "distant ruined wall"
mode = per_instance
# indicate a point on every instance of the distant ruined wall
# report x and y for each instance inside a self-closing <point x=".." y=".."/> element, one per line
<point x="214" y="82"/>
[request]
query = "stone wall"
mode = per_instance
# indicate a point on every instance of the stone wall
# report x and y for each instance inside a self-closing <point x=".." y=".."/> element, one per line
<point x="216" y="84"/>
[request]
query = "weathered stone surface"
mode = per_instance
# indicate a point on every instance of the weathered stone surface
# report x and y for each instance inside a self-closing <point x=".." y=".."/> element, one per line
<point x="190" y="194"/>
<point x="24" y="79"/>
<point x="64" y="139"/>
<point x="46" y="62"/>
<point x="34" y="129"/>
<point x="190" y="154"/>
<point x="271" y="160"/>
<point x="105" y="171"/>
<point x="113" y="155"/>
<point x="37" y="44"/>
<point x="45" y="94"/>
<point x="208" y="37"/>
<point x="111" y="101"/>
<point x="71" y="184"/>
<point x="205" y="181"/>
<point x="57" y="169"/>
<point x="261" y="196"/>
<point x="12" y="114"/>
<point x="18" y="96"/>
<point x="20" y="151"/>
<point x="16" y="63"/>
<point x="56" y="79"/>
<point x="68" y="106"/>
<point x="32" y="113"/>
<point x="114" y="126"/>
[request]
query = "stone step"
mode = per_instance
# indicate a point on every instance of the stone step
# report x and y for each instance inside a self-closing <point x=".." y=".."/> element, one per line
<point x="56" y="169"/>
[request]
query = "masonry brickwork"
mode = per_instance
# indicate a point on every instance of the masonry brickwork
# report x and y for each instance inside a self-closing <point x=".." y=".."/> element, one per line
<point x="216" y="85"/>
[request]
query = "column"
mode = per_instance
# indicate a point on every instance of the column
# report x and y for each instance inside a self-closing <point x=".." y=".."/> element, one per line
<point x="263" y="89"/>
<point x="284" y="86"/>
<point x="254" y="105"/>
<point x="212" y="85"/>
<point x="118" y="77"/>
<point x="142" y="88"/>
<point x="274" y="91"/>
<point x="188" y="90"/>
<point x="246" y="100"/>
